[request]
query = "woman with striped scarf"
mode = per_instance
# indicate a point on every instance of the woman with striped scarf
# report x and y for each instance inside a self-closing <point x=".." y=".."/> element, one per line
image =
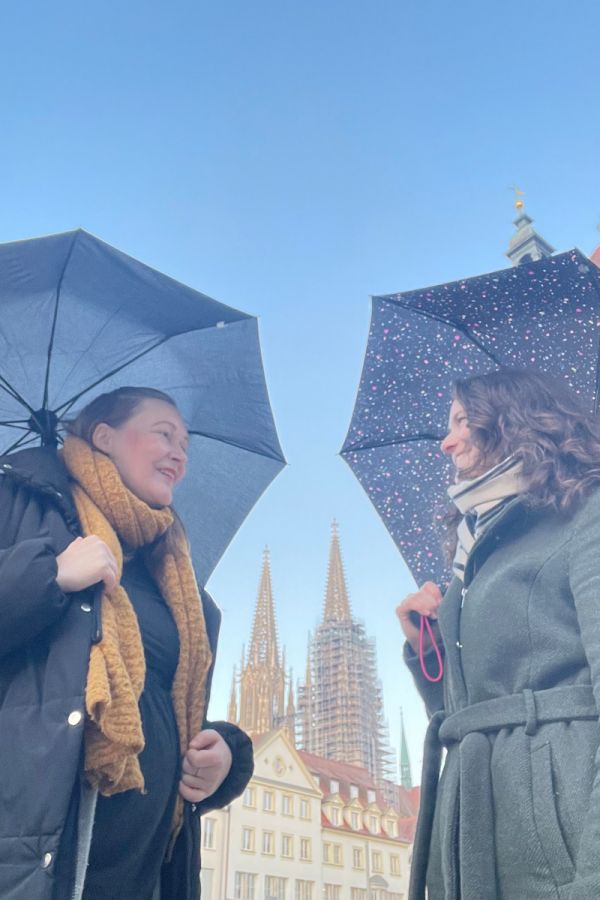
<point x="510" y="673"/>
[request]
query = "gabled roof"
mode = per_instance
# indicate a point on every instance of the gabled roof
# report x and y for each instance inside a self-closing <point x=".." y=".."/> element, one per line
<point x="405" y="802"/>
<point x="345" y="774"/>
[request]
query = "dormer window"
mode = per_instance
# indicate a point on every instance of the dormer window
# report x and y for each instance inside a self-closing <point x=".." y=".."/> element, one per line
<point x="334" y="786"/>
<point x="353" y="791"/>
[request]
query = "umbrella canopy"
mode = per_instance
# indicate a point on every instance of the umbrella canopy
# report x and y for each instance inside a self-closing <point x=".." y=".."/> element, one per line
<point x="78" y="318"/>
<point x="543" y="315"/>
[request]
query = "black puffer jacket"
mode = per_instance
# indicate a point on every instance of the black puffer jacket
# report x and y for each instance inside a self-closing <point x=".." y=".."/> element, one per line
<point x="45" y="639"/>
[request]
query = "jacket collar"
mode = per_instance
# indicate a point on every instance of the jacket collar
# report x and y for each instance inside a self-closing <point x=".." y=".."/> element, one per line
<point x="41" y="470"/>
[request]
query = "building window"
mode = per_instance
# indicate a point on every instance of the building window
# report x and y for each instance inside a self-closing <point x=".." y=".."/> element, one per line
<point x="334" y="786"/>
<point x="305" y="849"/>
<point x="206" y="883"/>
<point x="274" y="887"/>
<point x="248" y="839"/>
<point x="373" y="824"/>
<point x="287" y="805"/>
<point x="371" y="796"/>
<point x="335" y="815"/>
<point x="244" y="886"/>
<point x="395" y="865"/>
<point x="268" y="801"/>
<point x="327" y="854"/>
<point x="377" y="861"/>
<point x="337" y="854"/>
<point x="393" y="895"/>
<point x="250" y="797"/>
<point x="332" y="892"/>
<point x="391" y="827"/>
<point x="358" y="858"/>
<point x="305" y="809"/>
<point x="304" y="890"/>
<point x="268" y="843"/>
<point x="287" y="846"/>
<point x="353" y="791"/>
<point x="354" y="821"/>
<point x="208" y="834"/>
<point x="358" y="894"/>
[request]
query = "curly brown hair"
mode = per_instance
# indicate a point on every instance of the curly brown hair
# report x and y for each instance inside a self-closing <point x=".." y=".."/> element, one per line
<point x="539" y="421"/>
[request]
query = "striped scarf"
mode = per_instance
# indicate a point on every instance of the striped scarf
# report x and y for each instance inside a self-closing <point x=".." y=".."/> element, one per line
<point x="481" y="500"/>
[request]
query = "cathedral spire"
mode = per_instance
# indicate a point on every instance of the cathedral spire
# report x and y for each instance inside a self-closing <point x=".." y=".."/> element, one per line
<point x="526" y="245"/>
<point x="262" y="676"/>
<point x="405" y="771"/>
<point x="337" y="605"/>
<point x="263" y="644"/>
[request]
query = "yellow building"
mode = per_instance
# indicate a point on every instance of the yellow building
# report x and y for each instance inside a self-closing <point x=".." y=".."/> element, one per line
<point x="307" y="828"/>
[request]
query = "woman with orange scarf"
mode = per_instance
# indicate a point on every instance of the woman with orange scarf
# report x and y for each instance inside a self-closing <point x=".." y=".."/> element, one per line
<point x="107" y="649"/>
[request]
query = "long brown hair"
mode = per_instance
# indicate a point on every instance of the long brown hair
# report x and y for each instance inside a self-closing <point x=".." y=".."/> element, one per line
<point x="114" y="408"/>
<point x="539" y="421"/>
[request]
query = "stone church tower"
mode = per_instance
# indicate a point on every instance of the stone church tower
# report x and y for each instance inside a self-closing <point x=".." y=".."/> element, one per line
<point x="262" y="681"/>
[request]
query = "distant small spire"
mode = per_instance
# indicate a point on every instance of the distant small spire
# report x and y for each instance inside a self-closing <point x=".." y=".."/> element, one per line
<point x="526" y="245"/>
<point x="291" y="706"/>
<point x="519" y="203"/>
<point x="405" y="770"/>
<point x="595" y="257"/>
<point x="232" y="715"/>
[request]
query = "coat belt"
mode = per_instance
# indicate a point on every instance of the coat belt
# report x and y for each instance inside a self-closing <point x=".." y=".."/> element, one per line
<point x="528" y="709"/>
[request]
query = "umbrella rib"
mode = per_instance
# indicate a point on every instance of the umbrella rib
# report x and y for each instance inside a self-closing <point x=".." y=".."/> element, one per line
<point x="230" y="443"/>
<point x="463" y="328"/>
<point x="411" y="439"/>
<point x="9" y="389"/>
<point x="23" y="441"/>
<point x="54" y="319"/>
<point x="69" y="403"/>
<point x="15" y="426"/>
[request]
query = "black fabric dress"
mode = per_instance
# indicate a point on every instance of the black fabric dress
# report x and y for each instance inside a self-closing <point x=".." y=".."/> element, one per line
<point x="131" y="830"/>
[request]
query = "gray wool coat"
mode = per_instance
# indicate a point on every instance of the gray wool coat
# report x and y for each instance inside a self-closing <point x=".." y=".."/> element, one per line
<point x="515" y="814"/>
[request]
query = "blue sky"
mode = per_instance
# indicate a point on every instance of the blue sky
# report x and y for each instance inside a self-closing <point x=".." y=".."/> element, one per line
<point x="291" y="158"/>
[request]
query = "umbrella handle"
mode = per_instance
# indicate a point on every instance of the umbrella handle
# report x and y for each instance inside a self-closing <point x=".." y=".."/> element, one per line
<point x="426" y="624"/>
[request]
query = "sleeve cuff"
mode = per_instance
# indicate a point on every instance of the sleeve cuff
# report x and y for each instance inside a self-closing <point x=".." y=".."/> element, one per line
<point x="242" y="766"/>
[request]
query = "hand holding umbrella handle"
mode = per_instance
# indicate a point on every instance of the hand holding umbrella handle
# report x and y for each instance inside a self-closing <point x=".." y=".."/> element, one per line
<point x="415" y="614"/>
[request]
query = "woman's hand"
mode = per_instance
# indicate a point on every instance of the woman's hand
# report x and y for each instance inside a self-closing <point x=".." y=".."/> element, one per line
<point x="86" y="561"/>
<point x="425" y="602"/>
<point x="205" y="767"/>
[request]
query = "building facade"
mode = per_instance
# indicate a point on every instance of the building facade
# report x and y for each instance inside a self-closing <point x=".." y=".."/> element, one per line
<point x="307" y="828"/>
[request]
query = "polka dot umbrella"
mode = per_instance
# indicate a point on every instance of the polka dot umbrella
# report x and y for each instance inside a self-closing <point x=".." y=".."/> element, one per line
<point x="543" y="315"/>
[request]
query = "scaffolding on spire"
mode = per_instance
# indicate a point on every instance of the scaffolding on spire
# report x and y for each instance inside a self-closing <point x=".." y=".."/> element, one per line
<point x="340" y="703"/>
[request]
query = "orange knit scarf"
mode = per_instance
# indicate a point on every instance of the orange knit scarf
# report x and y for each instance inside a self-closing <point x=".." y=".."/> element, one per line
<point x="115" y="680"/>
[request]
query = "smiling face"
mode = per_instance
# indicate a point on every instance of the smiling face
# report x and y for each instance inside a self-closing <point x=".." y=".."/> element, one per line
<point x="458" y="444"/>
<point x="149" y="450"/>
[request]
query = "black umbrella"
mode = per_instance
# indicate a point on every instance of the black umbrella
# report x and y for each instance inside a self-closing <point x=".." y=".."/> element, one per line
<point x="78" y="318"/>
<point x="543" y="315"/>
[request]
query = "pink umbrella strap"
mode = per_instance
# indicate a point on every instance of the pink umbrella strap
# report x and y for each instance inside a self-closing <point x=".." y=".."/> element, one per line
<point x="426" y="624"/>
